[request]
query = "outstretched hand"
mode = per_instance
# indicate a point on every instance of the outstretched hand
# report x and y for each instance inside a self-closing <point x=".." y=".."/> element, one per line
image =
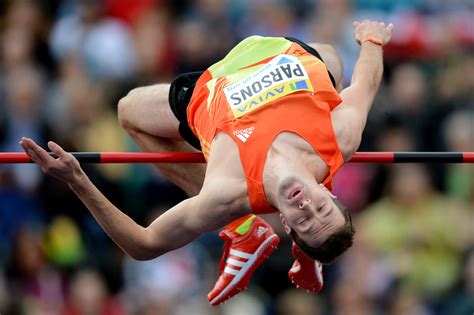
<point x="65" y="167"/>
<point x="372" y="28"/>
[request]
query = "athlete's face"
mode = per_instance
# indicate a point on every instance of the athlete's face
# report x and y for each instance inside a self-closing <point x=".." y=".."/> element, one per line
<point x="309" y="209"/>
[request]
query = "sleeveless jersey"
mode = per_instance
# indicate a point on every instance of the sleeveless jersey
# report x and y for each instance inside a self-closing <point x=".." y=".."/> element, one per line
<point x="264" y="86"/>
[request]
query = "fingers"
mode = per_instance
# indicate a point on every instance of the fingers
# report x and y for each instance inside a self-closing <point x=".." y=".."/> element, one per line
<point x="65" y="167"/>
<point x="357" y="23"/>
<point x="57" y="150"/>
<point x="34" y="151"/>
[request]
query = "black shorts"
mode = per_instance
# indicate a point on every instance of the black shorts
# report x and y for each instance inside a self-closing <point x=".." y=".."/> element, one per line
<point x="182" y="89"/>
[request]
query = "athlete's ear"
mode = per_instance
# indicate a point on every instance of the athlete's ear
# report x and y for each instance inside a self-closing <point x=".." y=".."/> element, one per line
<point x="285" y="224"/>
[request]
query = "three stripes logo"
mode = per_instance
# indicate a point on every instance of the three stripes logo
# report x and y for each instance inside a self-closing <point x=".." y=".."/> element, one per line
<point x="261" y="230"/>
<point x="244" y="134"/>
<point x="236" y="261"/>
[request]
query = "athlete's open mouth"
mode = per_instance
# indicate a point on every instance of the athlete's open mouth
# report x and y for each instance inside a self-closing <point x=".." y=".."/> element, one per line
<point x="295" y="192"/>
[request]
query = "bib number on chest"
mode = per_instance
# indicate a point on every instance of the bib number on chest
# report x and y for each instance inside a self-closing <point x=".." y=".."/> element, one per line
<point x="283" y="75"/>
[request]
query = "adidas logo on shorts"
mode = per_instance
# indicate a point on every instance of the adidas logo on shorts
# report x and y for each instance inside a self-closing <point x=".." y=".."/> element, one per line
<point x="244" y="134"/>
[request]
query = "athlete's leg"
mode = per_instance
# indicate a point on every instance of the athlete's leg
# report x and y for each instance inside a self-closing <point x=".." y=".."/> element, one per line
<point x="333" y="62"/>
<point x="147" y="117"/>
<point x="146" y="109"/>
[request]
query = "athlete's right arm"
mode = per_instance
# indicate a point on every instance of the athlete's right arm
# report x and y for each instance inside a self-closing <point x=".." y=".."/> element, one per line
<point x="173" y="229"/>
<point x="357" y="99"/>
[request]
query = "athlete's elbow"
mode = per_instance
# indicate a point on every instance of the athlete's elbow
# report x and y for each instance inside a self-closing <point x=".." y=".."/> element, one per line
<point x="145" y="250"/>
<point x="124" y="112"/>
<point x="143" y="255"/>
<point x="355" y="146"/>
<point x="350" y="147"/>
<point x="349" y="141"/>
<point x="126" y="109"/>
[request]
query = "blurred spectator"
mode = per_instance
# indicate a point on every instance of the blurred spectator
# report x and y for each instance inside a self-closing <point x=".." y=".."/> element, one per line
<point x="63" y="244"/>
<point x="408" y="90"/>
<point x="395" y="137"/>
<point x="165" y="282"/>
<point x="247" y="303"/>
<point x="16" y="48"/>
<point x="104" y="43"/>
<point x="458" y="130"/>
<point x="4" y="294"/>
<point x="17" y="208"/>
<point x="35" y="286"/>
<point x="92" y="117"/>
<point x="80" y="111"/>
<point x="389" y="136"/>
<point x="23" y="88"/>
<point x="130" y="11"/>
<point x="298" y="302"/>
<point x="408" y="302"/>
<point x="66" y="93"/>
<point x="273" y="18"/>
<point x="346" y="299"/>
<point x="327" y="24"/>
<point x="463" y="301"/>
<point x="194" y="47"/>
<point x="351" y="185"/>
<point x="409" y="99"/>
<point x="155" y="47"/>
<point x="25" y="36"/>
<point x="88" y="295"/>
<point x="216" y="14"/>
<point x="363" y="280"/>
<point x="419" y="231"/>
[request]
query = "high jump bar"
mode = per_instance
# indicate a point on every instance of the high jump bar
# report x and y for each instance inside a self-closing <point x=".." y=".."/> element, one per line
<point x="188" y="157"/>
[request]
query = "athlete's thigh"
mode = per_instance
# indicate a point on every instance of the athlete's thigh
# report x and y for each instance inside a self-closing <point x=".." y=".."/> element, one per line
<point x="146" y="109"/>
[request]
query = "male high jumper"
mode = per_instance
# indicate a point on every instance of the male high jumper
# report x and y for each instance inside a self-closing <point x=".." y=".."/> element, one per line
<point x="274" y="130"/>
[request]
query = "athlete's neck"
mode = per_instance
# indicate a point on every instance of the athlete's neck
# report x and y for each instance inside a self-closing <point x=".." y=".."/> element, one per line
<point x="280" y="165"/>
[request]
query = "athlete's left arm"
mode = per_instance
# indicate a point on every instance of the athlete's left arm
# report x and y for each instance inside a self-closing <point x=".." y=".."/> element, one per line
<point x="175" y="228"/>
<point x="350" y="117"/>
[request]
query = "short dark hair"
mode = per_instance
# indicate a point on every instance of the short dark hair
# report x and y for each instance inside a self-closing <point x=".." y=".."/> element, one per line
<point x="335" y="245"/>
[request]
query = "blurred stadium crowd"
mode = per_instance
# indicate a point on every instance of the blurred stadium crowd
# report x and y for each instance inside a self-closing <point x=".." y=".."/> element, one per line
<point x="65" y="64"/>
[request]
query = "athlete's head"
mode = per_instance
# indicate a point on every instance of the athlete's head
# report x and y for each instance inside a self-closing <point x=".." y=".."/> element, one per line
<point x="318" y="223"/>
<point x="333" y="62"/>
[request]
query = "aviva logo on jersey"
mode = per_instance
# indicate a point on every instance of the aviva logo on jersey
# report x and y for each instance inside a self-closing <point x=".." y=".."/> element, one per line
<point x="283" y="75"/>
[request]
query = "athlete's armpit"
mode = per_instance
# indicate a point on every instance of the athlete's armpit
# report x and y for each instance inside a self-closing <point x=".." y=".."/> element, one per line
<point x="348" y="127"/>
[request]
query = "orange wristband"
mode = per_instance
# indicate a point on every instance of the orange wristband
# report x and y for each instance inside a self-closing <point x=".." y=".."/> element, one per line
<point x="373" y="39"/>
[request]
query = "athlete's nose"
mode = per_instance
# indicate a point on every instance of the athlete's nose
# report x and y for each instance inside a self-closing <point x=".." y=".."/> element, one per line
<point x="303" y="203"/>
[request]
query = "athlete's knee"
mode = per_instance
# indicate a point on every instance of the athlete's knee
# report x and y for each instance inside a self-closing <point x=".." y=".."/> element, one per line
<point x="333" y="61"/>
<point x="126" y="110"/>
